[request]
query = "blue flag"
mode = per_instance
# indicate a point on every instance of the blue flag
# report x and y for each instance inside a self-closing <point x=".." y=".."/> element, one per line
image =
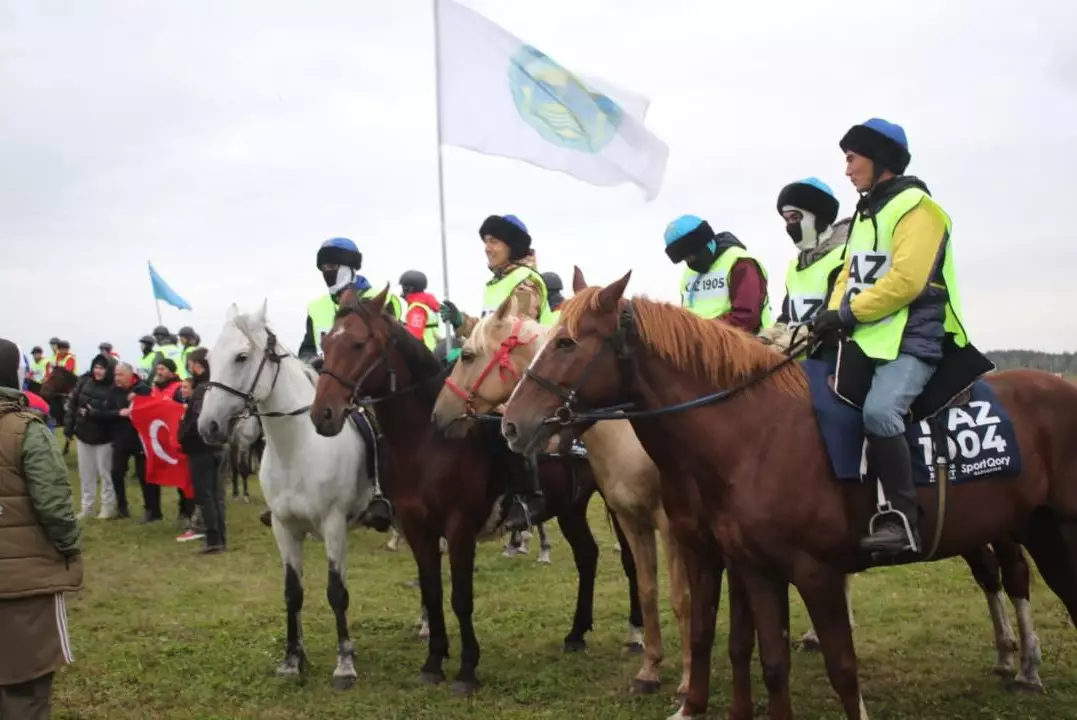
<point x="162" y="291"/>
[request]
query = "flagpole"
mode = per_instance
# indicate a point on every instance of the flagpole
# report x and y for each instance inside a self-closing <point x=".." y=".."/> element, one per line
<point x="441" y="173"/>
<point x="157" y="302"/>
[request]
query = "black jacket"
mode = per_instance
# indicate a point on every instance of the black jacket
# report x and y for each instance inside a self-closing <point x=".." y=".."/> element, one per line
<point x="100" y="400"/>
<point x="190" y="441"/>
<point x="124" y="435"/>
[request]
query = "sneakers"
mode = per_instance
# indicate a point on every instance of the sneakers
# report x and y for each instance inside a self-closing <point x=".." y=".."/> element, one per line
<point x="189" y="534"/>
<point x="108" y="512"/>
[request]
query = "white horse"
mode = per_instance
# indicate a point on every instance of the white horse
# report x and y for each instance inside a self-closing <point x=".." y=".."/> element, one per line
<point x="310" y="482"/>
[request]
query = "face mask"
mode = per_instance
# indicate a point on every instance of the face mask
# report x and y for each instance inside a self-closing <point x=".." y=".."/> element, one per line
<point x="337" y="280"/>
<point x="704" y="258"/>
<point x="804" y="234"/>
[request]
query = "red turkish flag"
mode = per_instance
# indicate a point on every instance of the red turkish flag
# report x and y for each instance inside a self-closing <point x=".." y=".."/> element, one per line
<point x="157" y="421"/>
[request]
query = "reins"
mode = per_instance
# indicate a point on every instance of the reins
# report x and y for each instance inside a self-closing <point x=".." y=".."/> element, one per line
<point x="250" y="409"/>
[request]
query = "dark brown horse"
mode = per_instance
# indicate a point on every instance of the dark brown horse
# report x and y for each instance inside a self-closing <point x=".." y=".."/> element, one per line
<point x="55" y="390"/>
<point x="442" y="487"/>
<point x="780" y="517"/>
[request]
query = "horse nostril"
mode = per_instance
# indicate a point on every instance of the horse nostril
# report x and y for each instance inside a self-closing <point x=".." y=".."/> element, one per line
<point x="509" y="431"/>
<point x="214" y="428"/>
<point x="327" y="414"/>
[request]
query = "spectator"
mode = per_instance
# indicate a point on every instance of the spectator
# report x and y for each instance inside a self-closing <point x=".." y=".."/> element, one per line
<point x="39" y="552"/>
<point x="127" y="445"/>
<point x="205" y="460"/>
<point x="90" y="419"/>
<point x="167" y="385"/>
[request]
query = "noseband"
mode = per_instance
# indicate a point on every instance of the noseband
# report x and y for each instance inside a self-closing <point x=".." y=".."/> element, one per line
<point x="269" y="355"/>
<point x="620" y="344"/>
<point x="501" y="360"/>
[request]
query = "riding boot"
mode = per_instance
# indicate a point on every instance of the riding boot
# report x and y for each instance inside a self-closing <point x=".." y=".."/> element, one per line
<point x="890" y="459"/>
<point x="528" y="501"/>
<point x="378" y="514"/>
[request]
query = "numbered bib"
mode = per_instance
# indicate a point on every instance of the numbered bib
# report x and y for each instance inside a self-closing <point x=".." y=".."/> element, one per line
<point x="865" y="269"/>
<point x="711" y="286"/>
<point x="975" y="445"/>
<point x="804" y="308"/>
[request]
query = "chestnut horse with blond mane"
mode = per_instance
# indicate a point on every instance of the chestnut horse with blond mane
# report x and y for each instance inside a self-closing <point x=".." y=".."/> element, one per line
<point x="779" y="517"/>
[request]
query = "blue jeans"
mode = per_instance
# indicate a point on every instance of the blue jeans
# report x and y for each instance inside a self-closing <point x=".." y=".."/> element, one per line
<point x="893" y="388"/>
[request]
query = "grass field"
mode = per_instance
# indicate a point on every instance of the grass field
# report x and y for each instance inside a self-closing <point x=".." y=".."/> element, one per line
<point x="161" y="632"/>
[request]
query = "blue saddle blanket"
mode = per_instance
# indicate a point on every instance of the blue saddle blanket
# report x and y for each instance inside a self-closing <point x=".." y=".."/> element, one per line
<point x="979" y="434"/>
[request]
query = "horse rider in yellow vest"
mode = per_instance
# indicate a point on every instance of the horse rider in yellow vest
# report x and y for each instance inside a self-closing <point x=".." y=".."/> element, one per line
<point x="168" y="347"/>
<point x="896" y="299"/>
<point x="509" y="257"/>
<point x="38" y="367"/>
<point x="189" y="342"/>
<point x="339" y="261"/>
<point x="63" y="358"/>
<point x="809" y="209"/>
<point x="422" y="316"/>
<point x="54" y="348"/>
<point x="147" y="361"/>
<point x="556" y="298"/>
<point x="721" y="278"/>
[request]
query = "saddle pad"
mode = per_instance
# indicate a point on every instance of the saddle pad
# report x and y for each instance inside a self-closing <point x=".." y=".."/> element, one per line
<point x="980" y="437"/>
<point x="366" y="431"/>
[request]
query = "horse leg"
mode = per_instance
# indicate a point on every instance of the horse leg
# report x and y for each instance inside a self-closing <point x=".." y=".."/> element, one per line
<point x="573" y="524"/>
<point x="462" y="569"/>
<point x="640" y="562"/>
<point x="809" y="642"/>
<point x="769" y="599"/>
<point x="680" y="600"/>
<point x="741" y="647"/>
<point x="512" y="546"/>
<point x="822" y="589"/>
<point x="985" y="569"/>
<point x="635" y="642"/>
<point x="1054" y="548"/>
<point x="393" y="544"/>
<point x="335" y="532"/>
<point x="290" y="545"/>
<point x="1015" y="579"/>
<point x="544" y="546"/>
<point x="235" y="478"/>
<point x="424" y="546"/>
<point x="704" y="565"/>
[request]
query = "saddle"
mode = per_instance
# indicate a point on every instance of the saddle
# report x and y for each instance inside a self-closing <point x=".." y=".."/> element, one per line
<point x="366" y="423"/>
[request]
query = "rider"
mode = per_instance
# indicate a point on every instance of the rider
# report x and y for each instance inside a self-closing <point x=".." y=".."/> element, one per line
<point x="421" y="317"/>
<point x="63" y="358"/>
<point x="189" y="341"/>
<point x="169" y="349"/>
<point x="106" y="349"/>
<point x="896" y="298"/>
<point x="554" y="286"/>
<point x="809" y="209"/>
<point x="721" y="278"/>
<point x="339" y="261"/>
<point x="149" y="359"/>
<point x="54" y="346"/>
<point x="38" y="368"/>
<point x="512" y="262"/>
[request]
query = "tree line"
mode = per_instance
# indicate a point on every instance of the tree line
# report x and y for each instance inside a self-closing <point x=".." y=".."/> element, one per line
<point x="1065" y="363"/>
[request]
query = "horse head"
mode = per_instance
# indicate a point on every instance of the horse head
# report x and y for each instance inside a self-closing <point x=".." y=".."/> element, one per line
<point x="240" y="363"/>
<point x="580" y="365"/>
<point x="59" y="382"/>
<point x="356" y="360"/>
<point x="492" y="361"/>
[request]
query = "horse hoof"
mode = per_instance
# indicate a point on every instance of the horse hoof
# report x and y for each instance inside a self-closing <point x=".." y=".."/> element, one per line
<point x="465" y="688"/>
<point x="808" y="645"/>
<point x="645" y="687"/>
<point x="634" y="648"/>
<point x="1031" y="687"/>
<point x="343" y="682"/>
<point x="573" y="646"/>
<point x="1004" y="671"/>
<point x="427" y="677"/>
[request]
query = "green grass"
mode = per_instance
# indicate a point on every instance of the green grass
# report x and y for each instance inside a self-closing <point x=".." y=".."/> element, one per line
<point x="160" y="632"/>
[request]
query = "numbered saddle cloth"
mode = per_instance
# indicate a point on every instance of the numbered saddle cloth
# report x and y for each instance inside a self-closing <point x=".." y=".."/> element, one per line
<point x="979" y="434"/>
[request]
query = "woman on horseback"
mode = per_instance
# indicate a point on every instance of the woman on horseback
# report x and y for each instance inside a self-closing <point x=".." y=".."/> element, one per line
<point x="512" y="261"/>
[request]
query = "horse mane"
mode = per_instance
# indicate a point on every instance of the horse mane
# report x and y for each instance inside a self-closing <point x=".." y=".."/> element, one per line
<point x="241" y="323"/>
<point x="720" y="353"/>
<point x="421" y="363"/>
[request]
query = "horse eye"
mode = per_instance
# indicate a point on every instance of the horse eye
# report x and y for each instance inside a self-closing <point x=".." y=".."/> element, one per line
<point x="564" y="343"/>
<point x="241" y="358"/>
<point x="358" y="345"/>
<point x="467" y="357"/>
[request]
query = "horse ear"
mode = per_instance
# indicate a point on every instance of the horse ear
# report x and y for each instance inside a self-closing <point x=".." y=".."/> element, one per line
<point x="612" y="293"/>
<point x="578" y="283"/>
<point x="378" y="301"/>
<point x="350" y="297"/>
<point x="503" y="308"/>
<point x="263" y="312"/>
<point x="232" y="312"/>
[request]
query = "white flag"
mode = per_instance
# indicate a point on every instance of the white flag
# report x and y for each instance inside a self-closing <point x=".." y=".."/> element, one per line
<point x="501" y="96"/>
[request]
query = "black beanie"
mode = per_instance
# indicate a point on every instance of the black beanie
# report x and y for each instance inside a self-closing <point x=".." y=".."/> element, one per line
<point x="9" y="364"/>
<point x="510" y="230"/>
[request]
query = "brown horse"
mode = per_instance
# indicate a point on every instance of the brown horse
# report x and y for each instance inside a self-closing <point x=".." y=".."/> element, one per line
<point x="491" y="363"/>
<point x="740" y="493"/>
<point x="57" y="386"/>
<point x="441" y="487"/>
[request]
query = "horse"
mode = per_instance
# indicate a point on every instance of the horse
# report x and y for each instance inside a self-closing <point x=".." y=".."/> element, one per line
<point x="609" y="349"/>
<point x="57" y="386"/>
<point x="491" y="362"/>
<point x="442" y="487"/>
<point x="245" y="448"/>
<point x="310" y="483"/>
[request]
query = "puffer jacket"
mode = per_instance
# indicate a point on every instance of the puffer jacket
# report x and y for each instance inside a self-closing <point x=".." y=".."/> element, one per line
<point x="100" y="399"/>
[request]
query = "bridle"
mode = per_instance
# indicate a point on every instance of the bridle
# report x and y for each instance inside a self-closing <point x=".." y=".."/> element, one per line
<point x="620" y="344"/>
<point x="502" y="361"/>
<point x="269" y="356"/>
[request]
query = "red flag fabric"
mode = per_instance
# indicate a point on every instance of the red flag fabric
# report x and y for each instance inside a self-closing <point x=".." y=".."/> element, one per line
<point x="157" y="421"/>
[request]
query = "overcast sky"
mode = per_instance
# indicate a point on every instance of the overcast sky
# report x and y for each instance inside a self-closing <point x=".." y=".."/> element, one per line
<point x="226" y="140"/>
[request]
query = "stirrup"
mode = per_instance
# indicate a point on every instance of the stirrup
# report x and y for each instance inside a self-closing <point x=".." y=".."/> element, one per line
<point x="885" y="510"/>
<point x="517" y="500"/>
